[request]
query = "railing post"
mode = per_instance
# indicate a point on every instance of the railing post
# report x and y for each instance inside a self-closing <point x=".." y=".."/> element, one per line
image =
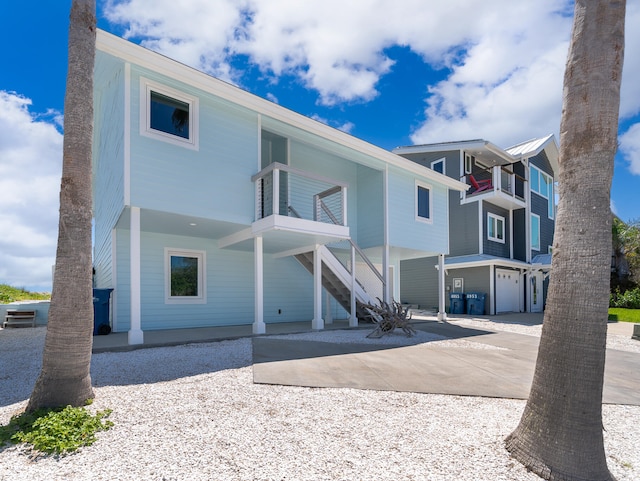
<point x="276" y="191"/>
<point x="344" y="206"/>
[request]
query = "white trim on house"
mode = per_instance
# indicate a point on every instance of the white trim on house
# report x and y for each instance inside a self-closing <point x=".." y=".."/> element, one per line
<point x="130" y="52"/>
<point x="135" y="336"/>
<point x="127" y="134"/>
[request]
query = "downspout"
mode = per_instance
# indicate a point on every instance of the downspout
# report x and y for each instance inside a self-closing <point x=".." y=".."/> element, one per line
<point x="385" y="249"/>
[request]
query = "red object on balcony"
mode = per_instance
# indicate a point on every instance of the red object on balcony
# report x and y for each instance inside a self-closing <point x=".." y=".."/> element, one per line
<point x="480" y="185"/>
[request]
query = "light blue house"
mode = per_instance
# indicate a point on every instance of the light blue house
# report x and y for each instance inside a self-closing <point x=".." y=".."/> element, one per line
<point x="215" y="207"/>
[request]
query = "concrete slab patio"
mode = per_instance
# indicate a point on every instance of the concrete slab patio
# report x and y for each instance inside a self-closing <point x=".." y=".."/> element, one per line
<point x="502" y="365"/>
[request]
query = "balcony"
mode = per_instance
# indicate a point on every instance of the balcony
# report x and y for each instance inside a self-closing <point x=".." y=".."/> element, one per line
<point x="498" y="185"/>
<point x="295" y="209"/>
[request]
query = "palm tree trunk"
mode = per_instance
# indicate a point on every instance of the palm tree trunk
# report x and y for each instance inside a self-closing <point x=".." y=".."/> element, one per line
<point x="560" y="434"/>
<point x="65" y="376"/>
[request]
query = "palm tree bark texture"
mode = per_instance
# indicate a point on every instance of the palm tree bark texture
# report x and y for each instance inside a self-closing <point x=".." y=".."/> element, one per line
<point x="560" y="434"/>
<point x="65" y="375"/>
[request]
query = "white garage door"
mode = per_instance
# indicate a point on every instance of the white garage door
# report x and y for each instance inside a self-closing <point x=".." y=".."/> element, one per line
<point x="507" y="291"/>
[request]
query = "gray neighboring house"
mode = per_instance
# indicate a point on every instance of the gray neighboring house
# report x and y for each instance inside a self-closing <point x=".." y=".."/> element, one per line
<point x="500" y="229"/>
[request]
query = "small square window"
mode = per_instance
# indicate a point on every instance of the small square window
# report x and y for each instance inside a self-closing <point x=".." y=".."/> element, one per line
<point x="168" y="115"/>
<point x="185" y="279"/>
<point x="423" y="203"/>
<point x="495" y="228"/>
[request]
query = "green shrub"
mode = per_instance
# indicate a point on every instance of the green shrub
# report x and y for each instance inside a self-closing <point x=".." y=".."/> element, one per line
<point x="629" y="299"/>
<point x="11" y="294"/>
<point x="59" y="430"/>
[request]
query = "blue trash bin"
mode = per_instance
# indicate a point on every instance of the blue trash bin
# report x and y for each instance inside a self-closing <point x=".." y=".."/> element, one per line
<point x="475" y="303"/>
<point x="456" y="302"/>
<point x="101" y="311"/>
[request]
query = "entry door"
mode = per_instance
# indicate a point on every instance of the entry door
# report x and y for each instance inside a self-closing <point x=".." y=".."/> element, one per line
<point x="536" y="292"/>
<point x="507" y="291"/>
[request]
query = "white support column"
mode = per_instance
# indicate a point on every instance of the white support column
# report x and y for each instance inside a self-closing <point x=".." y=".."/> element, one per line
<point x="492" y="290"/>
<point x="442" y="314"/>
<point x="385" y="249"/>
<point x="259" y="327"/>
<point x="136" y="336"/>
<point x="317" y="323"/>
<point x="353" y="318"/>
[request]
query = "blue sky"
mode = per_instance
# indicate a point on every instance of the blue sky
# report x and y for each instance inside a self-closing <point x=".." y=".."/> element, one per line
<point x="392" y="73"/>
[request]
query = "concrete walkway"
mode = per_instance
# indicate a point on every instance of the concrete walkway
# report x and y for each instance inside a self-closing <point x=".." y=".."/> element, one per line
<point x="504" y="368"/>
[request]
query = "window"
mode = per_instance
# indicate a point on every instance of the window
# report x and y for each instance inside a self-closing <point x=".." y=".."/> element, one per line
<point x="495" y="228"/>
<point x="542" y="184"/>
<point x="468" y="163"/>
<point x="423" y="202"/>
<point x="535" y="232"/>
<point x="184" y="277"/>
<point x="168" y="115"/>
<point x="438" y="165"/>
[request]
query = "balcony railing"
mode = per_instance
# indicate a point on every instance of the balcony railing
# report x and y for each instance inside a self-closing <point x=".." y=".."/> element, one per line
<point x="503" y="181"/>
<point x="287" y="191"/>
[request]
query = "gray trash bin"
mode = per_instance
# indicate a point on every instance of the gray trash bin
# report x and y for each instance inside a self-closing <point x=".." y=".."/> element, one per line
<point x="475" y="303"/>
<point x="456" y="302"/>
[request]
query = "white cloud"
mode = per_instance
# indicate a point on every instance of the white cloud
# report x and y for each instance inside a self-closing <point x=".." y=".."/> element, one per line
<point x="30" y="170"/>
<point x="630" y="148"/>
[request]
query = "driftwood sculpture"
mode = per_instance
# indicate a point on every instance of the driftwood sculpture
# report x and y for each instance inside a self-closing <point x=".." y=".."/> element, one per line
<point x="389" y="317"/>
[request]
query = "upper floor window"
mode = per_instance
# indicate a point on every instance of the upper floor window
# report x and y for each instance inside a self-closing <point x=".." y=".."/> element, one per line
<point x="438" y="165"/>
<point x="542" y="184"/>
<point x="168" y="115"/>
<point x="423" y="202"/>
<point x="185" y="277"/>
<point x="495" y="228"/>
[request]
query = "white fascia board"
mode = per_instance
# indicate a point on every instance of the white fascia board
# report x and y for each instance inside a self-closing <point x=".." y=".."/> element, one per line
<point x="135" y="54"/>
<point x="463" y="145"/>
<point x="493" y="262"/>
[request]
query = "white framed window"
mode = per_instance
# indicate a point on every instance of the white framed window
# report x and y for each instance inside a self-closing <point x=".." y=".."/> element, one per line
<point x="495" y="228"/>
<point x="185" y="279"/>
<point x="438" y="165"/>
<point x="468" y="163"/>
<point x="535" y="232"/>
<point x="424" y="207"/>
<point x="168" y="115"/>
<point x="542" y="184"/>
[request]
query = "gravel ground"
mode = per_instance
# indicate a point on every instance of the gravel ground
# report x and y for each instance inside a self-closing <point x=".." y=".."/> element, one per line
<point x="193" y="413"/>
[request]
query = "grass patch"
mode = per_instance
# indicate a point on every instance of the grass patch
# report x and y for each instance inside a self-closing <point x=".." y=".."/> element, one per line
<point x="624" y="315"/>
<point x="55" y="431"/>
<point x="13" y="294"/>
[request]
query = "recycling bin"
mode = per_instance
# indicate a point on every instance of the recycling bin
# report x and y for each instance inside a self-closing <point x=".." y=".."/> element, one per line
<point x="475" y="303"/>
<point x="101" y="311"/>
<point x="456" y="302"/>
